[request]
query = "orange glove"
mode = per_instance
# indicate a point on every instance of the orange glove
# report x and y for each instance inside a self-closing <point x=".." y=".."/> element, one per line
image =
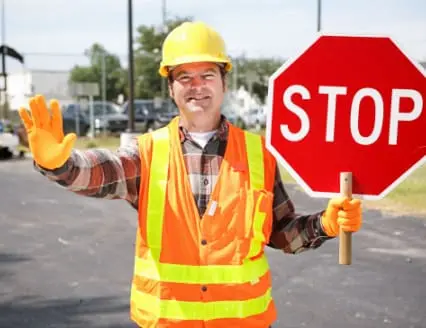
<point x="48" y="145"/>
<point x="342" y="212"/>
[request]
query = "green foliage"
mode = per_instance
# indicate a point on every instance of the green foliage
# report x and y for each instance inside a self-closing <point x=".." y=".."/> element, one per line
<point x="253" y="73"/>
<point x="148" y="57"/>
<point x="115" y="79"/>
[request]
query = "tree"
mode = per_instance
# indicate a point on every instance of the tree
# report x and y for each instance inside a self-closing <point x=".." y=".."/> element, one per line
<point x="149" y="43"/>
<point x="115" y="79"/>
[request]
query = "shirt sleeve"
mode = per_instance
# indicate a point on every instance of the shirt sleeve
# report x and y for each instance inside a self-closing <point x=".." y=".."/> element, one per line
<point x="101" y="173"/>
<point x="291" y="232"/>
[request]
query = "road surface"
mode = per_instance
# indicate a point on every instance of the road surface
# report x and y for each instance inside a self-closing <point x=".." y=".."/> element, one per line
<point x="66" y="261"/>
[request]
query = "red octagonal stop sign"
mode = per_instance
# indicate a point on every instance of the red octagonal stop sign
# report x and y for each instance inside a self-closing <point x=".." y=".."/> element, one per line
<point x="348" y="104"/>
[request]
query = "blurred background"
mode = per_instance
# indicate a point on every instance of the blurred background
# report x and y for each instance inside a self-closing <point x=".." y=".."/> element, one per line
<point x="79" y="52"/>
<point x="66" y="260"/>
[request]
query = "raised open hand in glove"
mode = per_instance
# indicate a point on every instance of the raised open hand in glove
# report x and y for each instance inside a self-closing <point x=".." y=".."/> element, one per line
<point x="342" y="212"/>
<point x="47" y="143"/>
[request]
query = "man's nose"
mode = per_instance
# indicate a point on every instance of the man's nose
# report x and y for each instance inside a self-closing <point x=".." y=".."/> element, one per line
<point x="197" y="81"/>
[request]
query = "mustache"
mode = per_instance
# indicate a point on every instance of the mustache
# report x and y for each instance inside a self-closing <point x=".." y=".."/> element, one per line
<point x="197" y="93"/>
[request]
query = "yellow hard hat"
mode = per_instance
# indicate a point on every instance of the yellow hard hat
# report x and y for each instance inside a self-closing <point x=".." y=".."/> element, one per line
<point x="193" y="42"/>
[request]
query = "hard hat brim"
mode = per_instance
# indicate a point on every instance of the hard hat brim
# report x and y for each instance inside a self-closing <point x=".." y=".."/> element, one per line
<point x="193" y="59"/>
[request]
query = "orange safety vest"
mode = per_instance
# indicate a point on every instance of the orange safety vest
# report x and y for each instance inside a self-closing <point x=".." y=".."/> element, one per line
<point x="211" y="272"/>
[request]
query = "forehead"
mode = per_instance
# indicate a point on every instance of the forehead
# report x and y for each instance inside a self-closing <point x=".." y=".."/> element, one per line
<point x="195" y="67"/>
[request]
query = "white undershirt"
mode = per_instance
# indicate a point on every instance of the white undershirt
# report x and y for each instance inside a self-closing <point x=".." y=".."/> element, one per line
<point x="202" y="137"/>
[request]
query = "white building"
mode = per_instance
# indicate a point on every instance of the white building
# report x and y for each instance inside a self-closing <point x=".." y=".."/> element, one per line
<point x="51" y="84"/>
<point x="241" y="101"/>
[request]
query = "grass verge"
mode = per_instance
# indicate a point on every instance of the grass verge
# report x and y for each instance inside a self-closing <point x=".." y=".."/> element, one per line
<point x="98" y="142"/>
<point x="407" y="198"/>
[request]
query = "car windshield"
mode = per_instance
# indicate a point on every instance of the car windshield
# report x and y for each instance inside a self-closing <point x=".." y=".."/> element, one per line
<point x="71" y="109"/>
<point x="141" y="106"/>
<point x="148" y="105"/>
<point x="98" y="109"/>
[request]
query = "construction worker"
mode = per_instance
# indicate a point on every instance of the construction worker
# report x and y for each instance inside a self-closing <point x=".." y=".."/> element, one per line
<point x="209" y="197"/>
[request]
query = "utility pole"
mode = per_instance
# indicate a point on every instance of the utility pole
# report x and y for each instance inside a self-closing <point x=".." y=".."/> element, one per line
<point x="163" y="80"/>
<point x="3" y="63"/>
<point x="318" y="15"/>
<point x="104" y="91"/>
<point x="131" y="126"/>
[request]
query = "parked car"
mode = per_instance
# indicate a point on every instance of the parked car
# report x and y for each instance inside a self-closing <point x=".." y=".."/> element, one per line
<point x="69" y="118"/>
<point x="148" y="117"/>
<point x="105" y="114"/>
<point x="9" y="140"/>
<point x="108" y="116"/>
<point x="164" y="117"/>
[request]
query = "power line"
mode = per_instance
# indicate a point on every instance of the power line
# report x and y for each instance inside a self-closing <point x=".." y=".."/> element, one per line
<point x="56" y="54"/>
<point x="63" y="54"/>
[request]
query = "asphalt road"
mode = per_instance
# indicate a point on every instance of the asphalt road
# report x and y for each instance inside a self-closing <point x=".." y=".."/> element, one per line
<point x="66" y="261"/>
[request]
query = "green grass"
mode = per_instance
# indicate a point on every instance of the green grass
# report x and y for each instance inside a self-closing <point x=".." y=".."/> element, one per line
<point x="407" y="198"/>
<point x="99" y="142"/>
<point x="286" y="177"/>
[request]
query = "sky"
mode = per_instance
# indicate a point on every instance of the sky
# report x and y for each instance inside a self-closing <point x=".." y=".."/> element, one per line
<point x="254" y="28"/>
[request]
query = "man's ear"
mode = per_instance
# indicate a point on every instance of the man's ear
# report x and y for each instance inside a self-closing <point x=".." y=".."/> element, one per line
<point x="225" y="83"/>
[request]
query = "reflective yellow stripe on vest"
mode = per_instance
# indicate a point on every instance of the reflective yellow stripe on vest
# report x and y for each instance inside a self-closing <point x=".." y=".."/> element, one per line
<point x="255" y="160"/>
<point x="157" y="189"/>
<point x="249" y="271"/>
<point x="257" y="181"/>
<point x="176" y="310"/>
<point x="152" y="268"/>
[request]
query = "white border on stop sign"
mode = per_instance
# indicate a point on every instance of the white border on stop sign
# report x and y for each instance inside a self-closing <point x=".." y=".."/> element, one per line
<point x="286" y="165"/>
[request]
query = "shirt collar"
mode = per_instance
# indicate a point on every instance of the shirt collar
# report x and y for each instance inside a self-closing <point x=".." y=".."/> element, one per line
<point x="221" y="133"/>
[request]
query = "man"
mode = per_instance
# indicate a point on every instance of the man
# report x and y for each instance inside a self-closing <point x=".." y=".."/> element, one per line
<point x="209" y="197"/>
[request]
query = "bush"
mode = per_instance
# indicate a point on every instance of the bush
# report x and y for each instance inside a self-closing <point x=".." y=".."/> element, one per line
<point x="91" y="144"/>
<point x="240" y="123"/>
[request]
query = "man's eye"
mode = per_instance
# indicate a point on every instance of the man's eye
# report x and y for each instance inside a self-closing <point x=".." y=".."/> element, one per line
<point x="208" y="76"/>
<point x="184" y="78"/>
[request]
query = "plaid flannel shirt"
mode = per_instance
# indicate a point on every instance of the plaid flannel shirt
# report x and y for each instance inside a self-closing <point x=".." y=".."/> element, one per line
<point x="106" y="174"/>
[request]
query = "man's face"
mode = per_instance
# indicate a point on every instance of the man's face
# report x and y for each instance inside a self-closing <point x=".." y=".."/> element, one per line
<point x="197" y="88"/>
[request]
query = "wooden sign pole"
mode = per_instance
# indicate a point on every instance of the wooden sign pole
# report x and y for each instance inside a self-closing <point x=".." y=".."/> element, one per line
<point x="345" y="238"/>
